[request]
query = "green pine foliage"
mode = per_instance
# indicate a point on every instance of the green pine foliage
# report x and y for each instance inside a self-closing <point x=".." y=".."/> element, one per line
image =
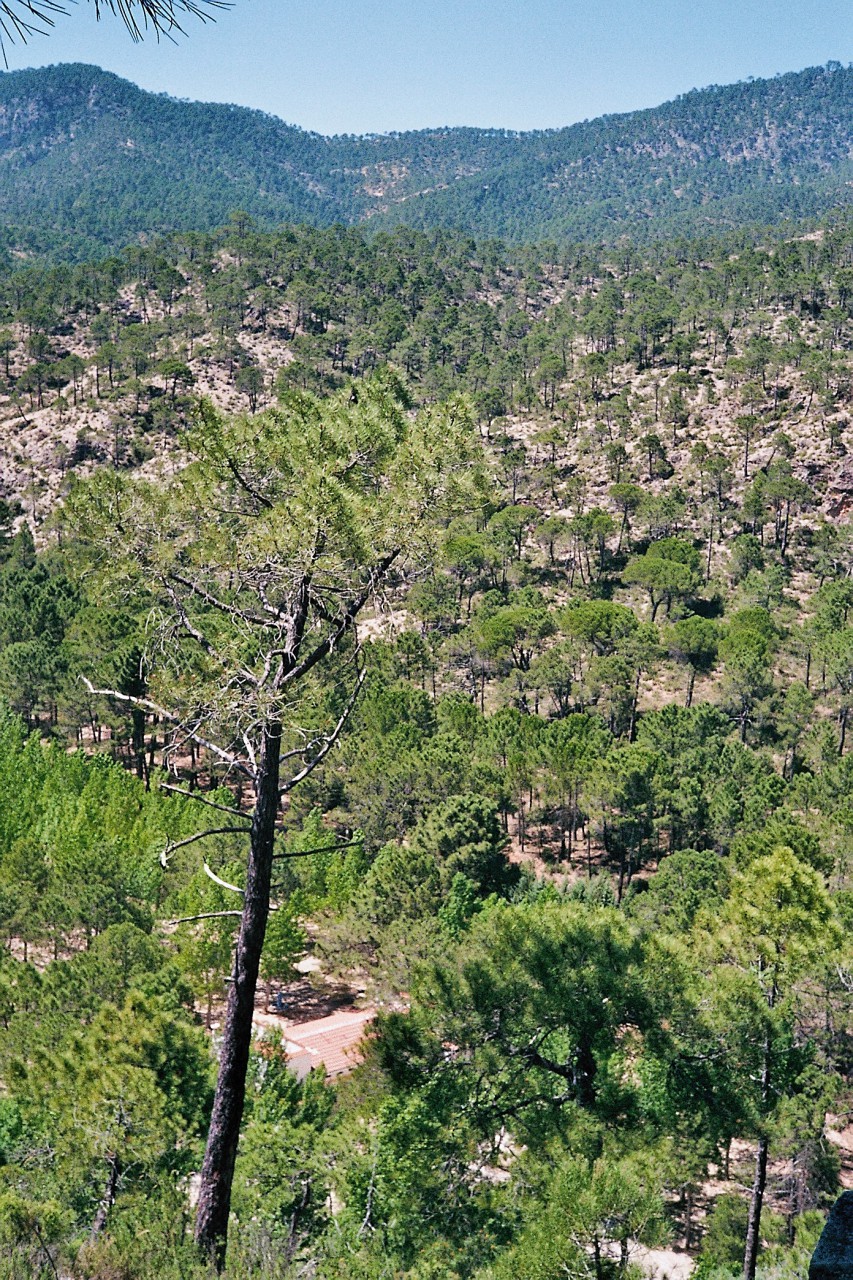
<point x="92" y="162"/>
<point x="585" y="840"/>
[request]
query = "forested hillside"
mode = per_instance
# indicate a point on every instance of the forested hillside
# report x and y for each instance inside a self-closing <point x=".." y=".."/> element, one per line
<point x="539" y="563"/>
<point x="89" y="161"/>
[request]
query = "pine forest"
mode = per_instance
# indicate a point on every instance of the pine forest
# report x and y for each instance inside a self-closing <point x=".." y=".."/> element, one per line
<point x="426" y="680"/>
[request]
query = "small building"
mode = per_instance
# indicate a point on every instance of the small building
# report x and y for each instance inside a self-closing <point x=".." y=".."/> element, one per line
<point x="332" y="1043"/>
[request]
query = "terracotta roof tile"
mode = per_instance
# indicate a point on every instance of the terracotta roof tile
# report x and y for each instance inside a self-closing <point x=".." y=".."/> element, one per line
<point x="331" y="1042"/>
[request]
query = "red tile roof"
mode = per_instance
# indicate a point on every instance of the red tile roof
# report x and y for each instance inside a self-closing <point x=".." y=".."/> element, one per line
<point x="332" y="1043"/>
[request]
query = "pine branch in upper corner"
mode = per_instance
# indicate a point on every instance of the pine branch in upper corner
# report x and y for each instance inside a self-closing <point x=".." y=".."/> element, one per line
<point x="20" y="19"/>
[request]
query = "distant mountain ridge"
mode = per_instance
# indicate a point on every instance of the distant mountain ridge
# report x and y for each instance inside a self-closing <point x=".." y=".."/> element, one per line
<point x="89" y="162"/>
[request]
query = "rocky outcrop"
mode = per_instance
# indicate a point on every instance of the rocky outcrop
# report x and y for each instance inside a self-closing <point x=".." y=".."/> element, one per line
<point x="833" y="1257"/>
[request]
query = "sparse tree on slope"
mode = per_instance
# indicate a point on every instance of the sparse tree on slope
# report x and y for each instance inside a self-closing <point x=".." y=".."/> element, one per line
<point x="254" y="563"/>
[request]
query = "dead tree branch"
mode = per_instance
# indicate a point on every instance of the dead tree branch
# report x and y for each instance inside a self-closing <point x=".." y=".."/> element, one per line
<point x="204" y="915"/>
<point x="166" y="853"/>
<point x="196" y="795"/>
<point x="154" y="708"/>
<point x="223" y="884"/>
<point x="329" y="739"/>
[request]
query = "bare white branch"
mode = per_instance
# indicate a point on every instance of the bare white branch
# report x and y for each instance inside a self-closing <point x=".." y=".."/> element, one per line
<point x="145" y="704"/>
<point x="223" y="884"/>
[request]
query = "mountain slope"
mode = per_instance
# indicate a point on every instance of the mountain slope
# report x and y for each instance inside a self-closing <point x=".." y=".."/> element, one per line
<point x="88" y="161"/>
<point x="95" y="160"/>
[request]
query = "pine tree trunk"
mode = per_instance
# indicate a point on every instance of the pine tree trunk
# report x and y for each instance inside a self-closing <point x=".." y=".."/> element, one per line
<point x="217" y="1171"/>
<point x="108" y="1199"/>
<point x="785" y="529"/>
<point x="753" y="1230"/>
<point x="632" y="727"/>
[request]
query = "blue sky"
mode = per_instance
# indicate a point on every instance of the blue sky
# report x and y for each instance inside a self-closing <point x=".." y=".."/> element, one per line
<point x="380" y="65"/>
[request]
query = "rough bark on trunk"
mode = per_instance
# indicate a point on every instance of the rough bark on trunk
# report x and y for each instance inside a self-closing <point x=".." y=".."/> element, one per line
<point x="632" y="727"/>
<point x="107" y="1200"/>
<point x="137" y="720"/>
<point x="753" y="1230"/>
<point x="688" y="1217"/>
<point x="785" y="529"/>
<point x="217" y="1172"/>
